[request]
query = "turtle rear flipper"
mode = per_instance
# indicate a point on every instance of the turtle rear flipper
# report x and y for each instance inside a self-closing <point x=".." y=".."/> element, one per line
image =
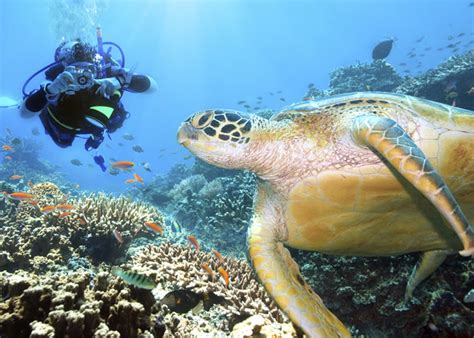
<point x="280" y="275"/>
<point x="388" y="140"/>
<point x="428" y="263"/>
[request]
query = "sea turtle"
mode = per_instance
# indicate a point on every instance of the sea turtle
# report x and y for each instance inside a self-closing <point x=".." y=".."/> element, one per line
<point x="362" y="174"/>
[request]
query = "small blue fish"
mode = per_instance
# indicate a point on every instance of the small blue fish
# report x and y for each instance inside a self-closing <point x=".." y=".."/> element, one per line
<point x="99" y="160"/>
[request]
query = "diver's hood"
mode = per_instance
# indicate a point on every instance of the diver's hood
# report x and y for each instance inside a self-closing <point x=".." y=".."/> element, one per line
<point x="64" y="52"/>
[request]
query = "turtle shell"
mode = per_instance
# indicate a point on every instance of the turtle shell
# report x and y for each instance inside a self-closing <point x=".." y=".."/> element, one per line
<point x="368" y="209"/>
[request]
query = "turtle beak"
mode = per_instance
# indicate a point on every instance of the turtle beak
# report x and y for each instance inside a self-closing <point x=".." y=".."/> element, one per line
<point x="186" y="133"/>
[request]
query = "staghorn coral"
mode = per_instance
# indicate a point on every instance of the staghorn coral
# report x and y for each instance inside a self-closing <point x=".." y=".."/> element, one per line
<point x="179" y="267"/>
<point x="32" y="238"/>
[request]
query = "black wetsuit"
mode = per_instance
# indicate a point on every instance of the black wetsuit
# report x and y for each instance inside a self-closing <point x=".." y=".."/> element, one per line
<point x="66" y="118"/>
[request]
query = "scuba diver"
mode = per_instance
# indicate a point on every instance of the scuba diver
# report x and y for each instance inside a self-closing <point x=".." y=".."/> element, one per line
<point x="81" y="94"/>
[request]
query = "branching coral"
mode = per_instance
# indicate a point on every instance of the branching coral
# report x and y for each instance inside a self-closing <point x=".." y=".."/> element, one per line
<point x="180" y="267"/>
<point x="88" y="304"/>
<point x="83" y="226"/>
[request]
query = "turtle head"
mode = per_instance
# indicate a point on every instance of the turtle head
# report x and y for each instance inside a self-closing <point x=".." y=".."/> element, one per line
<point x="219" y="137"/>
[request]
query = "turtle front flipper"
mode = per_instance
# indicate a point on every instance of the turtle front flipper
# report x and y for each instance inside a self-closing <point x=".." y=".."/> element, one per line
<point x="428" y="263"/>
<point x="387" y="139"/>
<point x="280" y="274"/>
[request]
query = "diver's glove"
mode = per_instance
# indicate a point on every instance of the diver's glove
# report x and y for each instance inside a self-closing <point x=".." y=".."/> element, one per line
<point x="60" y="84"/>
<point x="107" y="86"/>
<point x="94" y="141"/>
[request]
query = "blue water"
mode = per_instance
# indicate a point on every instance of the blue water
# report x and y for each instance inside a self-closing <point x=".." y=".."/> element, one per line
<point x="207" y="54"/>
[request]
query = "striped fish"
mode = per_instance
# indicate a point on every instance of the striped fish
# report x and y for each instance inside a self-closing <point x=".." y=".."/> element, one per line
<point x="134" y="278"/>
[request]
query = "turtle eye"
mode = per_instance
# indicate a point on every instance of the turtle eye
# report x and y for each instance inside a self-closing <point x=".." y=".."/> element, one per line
<point x="202" y="120"/>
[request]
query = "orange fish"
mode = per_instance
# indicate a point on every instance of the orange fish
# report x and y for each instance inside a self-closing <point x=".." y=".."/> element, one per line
<point x="30" y="185"/>
<point x="64" y="207"/>
<point x="218" y="255"/>
<point x="123" y="164"/>
<point x="155" y="227"/>
<point x="82" y="221"/>
<point x="7" y="147"/>
<point x="16" y="177"/>
<point x="65" y="214"/>
<point x="129" y="181"/>
<point x="8" y="158"/>
<point x="32" y="202"/>
<point x="138" y="178"/>
<point x="208" y="270"/>
<point x="118" y="236"/>
<point x="224" y="275"/>
<point x="194" y="242"/>
<point x="20" y="196"/>
<point x="47" y="209"/>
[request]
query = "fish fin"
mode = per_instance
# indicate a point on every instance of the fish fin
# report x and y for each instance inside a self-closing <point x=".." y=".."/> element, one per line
<point x="198" y="308"/>
<point x="116" y="271"/>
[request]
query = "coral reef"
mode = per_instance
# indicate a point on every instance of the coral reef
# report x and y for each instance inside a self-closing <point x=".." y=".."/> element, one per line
<point x="34" y="238"/>
<point x="73" y="305"/>
<point x="448" y="83"/>
<point x="24" y="159"/>
<point x="177" y="267"/>
<point x="216" y="209"/>
<point x="88" y="304"/>
<point x="211" y="203"/>
<point x="376" y="76"/>
<point x="368" y="293"/>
